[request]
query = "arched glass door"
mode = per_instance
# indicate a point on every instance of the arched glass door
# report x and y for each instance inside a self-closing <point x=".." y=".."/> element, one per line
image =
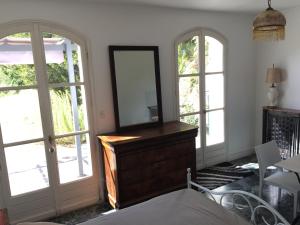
<point x="200" y="90"/>
<point x="45" y="135"/>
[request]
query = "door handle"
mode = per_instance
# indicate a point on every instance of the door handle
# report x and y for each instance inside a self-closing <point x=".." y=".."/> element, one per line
<point x="51" y="142"/>
<point x="51" y="149"/>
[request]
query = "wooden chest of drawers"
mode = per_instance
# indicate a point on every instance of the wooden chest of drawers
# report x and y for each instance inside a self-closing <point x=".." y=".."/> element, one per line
<point x="144" y="163"/>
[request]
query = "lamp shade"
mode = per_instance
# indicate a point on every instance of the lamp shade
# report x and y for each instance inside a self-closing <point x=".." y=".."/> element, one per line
<point x="273" y="75"/>
<point x="269" y="25"/>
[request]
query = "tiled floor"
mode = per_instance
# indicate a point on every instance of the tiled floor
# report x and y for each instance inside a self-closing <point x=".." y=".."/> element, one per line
<point x="249" y="184"/>
<point x="81" y="215"/>
<point x="270" y="193"/>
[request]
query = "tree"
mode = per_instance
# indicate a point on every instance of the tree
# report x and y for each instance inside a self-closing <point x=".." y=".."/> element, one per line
<point x="25" y="75"/>
<point x="188" y="64"/>
<point x="188" y="56"/>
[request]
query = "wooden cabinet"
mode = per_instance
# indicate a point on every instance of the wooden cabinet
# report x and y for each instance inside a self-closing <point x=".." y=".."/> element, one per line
<point x="147" y="162"/>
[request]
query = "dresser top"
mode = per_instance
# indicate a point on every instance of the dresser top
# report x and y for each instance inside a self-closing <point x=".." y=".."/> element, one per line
<point x="166" y="129"/>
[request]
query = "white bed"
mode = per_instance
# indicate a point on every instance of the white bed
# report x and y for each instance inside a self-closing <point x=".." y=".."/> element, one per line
<point x="190" y="207"/>
<point x="177" y="208"/>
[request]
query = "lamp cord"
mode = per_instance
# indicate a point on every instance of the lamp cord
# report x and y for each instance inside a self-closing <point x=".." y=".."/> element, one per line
<point x="269" y="5"/>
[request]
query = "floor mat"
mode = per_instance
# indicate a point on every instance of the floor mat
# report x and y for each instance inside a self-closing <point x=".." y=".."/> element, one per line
<point x="221" y="174"/>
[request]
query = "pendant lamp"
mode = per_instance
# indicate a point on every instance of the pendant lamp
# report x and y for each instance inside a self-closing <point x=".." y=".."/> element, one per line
<point x="269" y="25"/>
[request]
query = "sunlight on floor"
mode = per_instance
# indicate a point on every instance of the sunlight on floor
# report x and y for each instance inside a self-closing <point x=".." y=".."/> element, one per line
<point x="29" y="164"/>
<point x="255" y="166"/>
<point x="109" y="212"/>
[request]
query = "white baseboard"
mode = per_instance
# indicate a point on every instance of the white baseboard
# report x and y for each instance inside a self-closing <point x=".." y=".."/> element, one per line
<point x="35" y="217"/>
<point x="237" y="155"/>
<point x="51" y="213"/>
<point x="215" y="160"/>
<point x="212" y="157"/>
<point x="78" y="205"/>
<point x="221" y="157"/>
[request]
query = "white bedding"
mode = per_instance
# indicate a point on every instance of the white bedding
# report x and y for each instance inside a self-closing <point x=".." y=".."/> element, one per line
<point x="184" y="207"/>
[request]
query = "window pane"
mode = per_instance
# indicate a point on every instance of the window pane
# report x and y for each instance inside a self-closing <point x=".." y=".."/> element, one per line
<point x="214" y="127"/>
<point x="20" y="117"/>
<point x="27" y="168"/>
<point x="74" y="158"/>
<point x="188" y="56"/>
<point x="68" y="109"/>
<point x="213" y="55"/>
<point x="63" y="59"/>
<point x="188" y="94"/>
<point x="16" y="61"/>
<point x="214" y="91"/>
<point x="193" y="120"/>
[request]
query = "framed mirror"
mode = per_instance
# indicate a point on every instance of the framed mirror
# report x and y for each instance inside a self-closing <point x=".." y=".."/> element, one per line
<point x="136" y="86"/>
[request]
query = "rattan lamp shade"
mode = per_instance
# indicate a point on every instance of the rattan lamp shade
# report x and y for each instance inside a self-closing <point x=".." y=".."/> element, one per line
<point x="273" y="76"/>
<point x="269" y="25"/>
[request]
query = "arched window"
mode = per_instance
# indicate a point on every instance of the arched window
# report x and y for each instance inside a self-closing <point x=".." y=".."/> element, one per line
<point x="200" y="79"/>
<point x="45" y="133"/>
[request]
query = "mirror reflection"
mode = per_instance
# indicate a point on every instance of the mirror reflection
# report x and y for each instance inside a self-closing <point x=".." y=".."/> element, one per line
<point x="135" y="78"/>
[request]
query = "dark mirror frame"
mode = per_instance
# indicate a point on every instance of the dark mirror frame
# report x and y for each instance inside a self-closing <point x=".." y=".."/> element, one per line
<point x="112" y="49"/>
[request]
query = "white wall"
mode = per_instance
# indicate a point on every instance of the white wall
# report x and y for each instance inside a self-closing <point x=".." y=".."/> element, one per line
<point x="285" y="55"/>
<point x="104" y="25"/>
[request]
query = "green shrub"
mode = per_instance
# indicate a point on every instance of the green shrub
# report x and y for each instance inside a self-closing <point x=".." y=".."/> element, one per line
<point x="63" y="117"/>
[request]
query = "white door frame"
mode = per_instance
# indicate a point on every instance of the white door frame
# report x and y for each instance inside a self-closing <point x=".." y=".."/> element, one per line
<point x="201" y="33"/>
<point x="36" y="27"/>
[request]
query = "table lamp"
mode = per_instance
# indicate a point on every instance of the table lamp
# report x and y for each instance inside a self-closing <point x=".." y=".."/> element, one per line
<point x="274" y="78"/>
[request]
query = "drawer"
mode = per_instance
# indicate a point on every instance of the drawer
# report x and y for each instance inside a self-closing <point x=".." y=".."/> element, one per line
<point x="143" y="173"/>
<point x="140" y="159"/>
<point x="131" y="176"/>
<point x="159" y="170"/>
<point x="152" y="185"/>
<point x="147" y="187"/>
<point x="130" y="161"/>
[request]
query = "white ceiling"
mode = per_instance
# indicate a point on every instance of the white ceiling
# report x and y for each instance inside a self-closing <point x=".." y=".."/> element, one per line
<point x="250" y="6"/>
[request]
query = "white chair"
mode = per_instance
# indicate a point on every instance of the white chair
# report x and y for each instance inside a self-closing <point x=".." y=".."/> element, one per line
<point x="267" y="155"/>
